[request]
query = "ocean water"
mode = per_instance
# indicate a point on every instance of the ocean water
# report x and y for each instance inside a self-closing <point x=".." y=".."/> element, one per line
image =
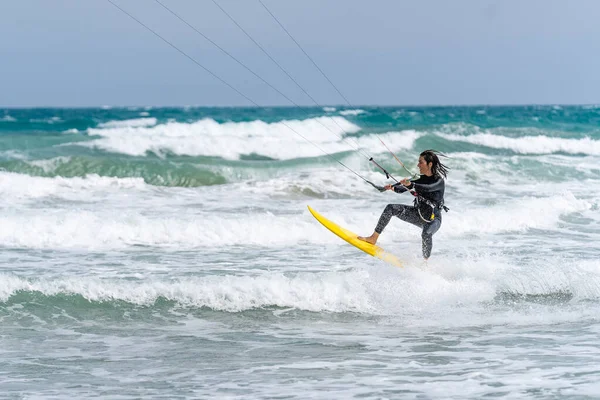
<point x="169" y="253"/>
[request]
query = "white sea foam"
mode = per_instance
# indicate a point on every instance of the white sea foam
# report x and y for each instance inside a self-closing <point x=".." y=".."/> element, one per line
<point x="280" y="140"/>
<point x="14" y="154"/>
<point x="350" y="291"/>
<point x="321" y="182"/>
<point x="530" y="144"/>
<point x="516" y="215"/>
<point x="66" y="229"/>
<point x="372" y="290"/>
<point x="399" y="140"/>
<point x="50" y="164"/>
<point x="352" y="112"/>
<point x="17" y="187"/>
<point x="115" y="228"/>
<point x="49" y="120"/>
<point x="314" y="292"/>
<point x="129" y="123"/>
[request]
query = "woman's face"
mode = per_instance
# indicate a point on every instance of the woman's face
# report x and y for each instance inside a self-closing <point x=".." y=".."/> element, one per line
<point x="424" y="168"/>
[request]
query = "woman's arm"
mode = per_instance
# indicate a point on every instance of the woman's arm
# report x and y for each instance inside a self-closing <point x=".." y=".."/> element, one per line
<point x="399" y="188"/>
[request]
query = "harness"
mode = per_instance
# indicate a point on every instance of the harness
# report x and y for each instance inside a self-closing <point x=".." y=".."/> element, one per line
<point x="420" y="199"/>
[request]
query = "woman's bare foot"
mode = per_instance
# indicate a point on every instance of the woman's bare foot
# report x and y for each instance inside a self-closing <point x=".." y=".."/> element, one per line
<point x="370" y="239"/>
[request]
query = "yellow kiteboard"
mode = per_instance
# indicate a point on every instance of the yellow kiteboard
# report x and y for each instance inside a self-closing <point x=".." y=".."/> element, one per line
<point x="352" y="238"/>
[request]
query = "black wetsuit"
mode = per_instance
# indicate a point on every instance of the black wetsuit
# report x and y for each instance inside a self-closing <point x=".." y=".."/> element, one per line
<point x="426" y="211"/>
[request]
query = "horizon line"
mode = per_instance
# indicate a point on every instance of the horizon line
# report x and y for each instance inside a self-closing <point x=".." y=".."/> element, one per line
<point x="105" y="106"/>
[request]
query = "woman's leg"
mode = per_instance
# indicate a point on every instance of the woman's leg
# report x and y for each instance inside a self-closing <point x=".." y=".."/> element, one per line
<point x="402" y="211"/>
<point x="427" y="236"/>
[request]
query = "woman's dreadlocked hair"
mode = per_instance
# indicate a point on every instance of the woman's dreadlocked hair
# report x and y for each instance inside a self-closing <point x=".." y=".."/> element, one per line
<point x="437" y="168"/>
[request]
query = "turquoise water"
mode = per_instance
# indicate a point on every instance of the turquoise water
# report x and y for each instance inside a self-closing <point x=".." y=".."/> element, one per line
<point x="168" y="253"/>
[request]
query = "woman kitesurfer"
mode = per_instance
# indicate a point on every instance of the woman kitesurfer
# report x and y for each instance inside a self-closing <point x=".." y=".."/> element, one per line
<point x="428" y="190"/>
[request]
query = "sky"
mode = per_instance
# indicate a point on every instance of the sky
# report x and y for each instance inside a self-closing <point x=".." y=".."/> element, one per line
<point x="87" y="53"/>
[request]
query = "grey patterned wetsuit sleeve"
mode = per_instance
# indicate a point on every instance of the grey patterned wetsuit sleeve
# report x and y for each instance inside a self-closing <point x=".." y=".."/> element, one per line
<point x="399" y="188"/>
